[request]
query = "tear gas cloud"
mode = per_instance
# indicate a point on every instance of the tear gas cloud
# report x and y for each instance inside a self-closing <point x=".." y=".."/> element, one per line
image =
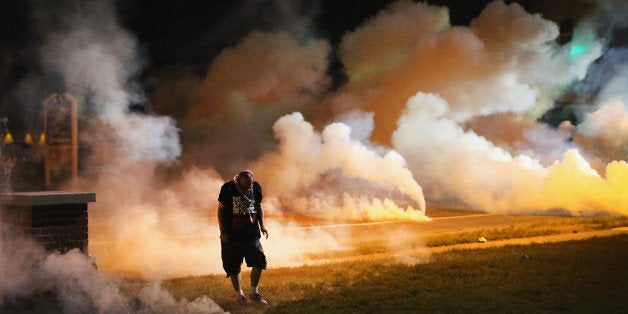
<point x="27" y="271"/>
<point x="97" y="60"/>
<point x="429" y="111"/>
<point x="305" y="157"/>
<point x="246" y="89"/>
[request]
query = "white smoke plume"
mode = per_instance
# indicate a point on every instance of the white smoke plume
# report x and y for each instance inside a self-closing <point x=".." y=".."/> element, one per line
<point x="332" y="175"/>
<point x="70" y="283"/>
<point x="604" y="132"/>
<point x="491" y="178"/>
<point x="97" y="61"/>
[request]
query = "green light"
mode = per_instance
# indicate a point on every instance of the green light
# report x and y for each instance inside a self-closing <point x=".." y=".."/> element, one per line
<point x="577" y="50"/>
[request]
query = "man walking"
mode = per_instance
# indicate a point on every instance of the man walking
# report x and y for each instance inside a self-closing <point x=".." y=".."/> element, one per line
<point x="241" y="221"/>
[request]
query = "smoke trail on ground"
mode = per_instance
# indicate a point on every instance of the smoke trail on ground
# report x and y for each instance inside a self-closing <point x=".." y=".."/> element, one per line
<point x="70" y="283"/>
<point x="331" y="175"/>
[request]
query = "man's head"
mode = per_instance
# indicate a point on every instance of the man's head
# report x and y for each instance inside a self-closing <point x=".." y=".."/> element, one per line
<point x="245" y="179"/>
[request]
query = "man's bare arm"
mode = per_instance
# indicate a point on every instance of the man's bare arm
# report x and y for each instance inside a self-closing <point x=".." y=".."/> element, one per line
<point x="221" y="216"/>
<point x="260" y="218"/>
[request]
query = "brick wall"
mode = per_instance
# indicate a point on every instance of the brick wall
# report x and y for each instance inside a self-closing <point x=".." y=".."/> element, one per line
<point x="57" y="226"/>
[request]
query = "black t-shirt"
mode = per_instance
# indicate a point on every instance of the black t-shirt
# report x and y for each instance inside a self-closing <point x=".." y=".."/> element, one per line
<point x="240" y="219"/>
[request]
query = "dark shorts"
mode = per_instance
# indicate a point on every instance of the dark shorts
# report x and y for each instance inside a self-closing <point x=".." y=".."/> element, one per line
<point x="233" y="252"/>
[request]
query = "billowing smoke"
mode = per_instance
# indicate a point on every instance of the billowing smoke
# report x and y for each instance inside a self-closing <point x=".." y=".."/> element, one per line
<point x="97" y="61"/>
<point x="155" y="217"/>
<point x="429" y="111"/>
<point x="247" y="88"/>
<point x="455" y="89"/>
<point x="459" y="106"/>
<point x="70" y="282"/>
<point x="604" y="132"/>
<point x="491" y="178"/>
<point x="332" y="175"/>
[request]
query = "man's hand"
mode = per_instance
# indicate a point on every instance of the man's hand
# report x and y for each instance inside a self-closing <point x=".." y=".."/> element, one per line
<point x="264" y="232"/>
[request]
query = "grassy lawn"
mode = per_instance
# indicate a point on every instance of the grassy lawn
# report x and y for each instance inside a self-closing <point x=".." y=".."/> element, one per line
<point x="553" y="225"/>
<point x="589" y="276"/>
<point x="586" y="276"/>
<point x="373" y="243"/>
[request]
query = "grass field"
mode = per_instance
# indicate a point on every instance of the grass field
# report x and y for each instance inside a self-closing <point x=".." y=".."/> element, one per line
<point x="427" y="274"/>
<point x="589" y="276"/>
<point x="372" y="242"/>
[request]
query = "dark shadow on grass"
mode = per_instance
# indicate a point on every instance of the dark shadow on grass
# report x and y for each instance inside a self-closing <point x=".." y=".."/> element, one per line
<point x="576" y="277"/>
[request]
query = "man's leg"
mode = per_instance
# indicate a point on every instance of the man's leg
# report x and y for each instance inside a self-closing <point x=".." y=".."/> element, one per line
<point x="256" y="259"/>
<point x="256" y="274"/>
<point x="235" y="281"/>
<point x="231" y="261"/>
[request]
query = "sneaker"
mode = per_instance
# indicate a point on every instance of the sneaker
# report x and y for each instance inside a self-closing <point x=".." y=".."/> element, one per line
<point x="241" y="299"/>
<point x="256" y="297"/>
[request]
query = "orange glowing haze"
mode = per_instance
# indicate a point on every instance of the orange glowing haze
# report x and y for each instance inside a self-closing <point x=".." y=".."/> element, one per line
<point x="429" y="111"/>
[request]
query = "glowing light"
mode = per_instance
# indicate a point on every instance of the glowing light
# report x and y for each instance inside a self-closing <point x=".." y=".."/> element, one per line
<point x="577" y="50"/>
<point x="42" y="139"/>
<point x="28" y="139"/>
<point x="583" y="43"/>
<point x="8" y="139"/>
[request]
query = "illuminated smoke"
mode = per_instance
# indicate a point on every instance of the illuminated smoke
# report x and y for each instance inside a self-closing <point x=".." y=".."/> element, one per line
<point x="497" y="76"/>
<point x="387" y="39"/>
<point x="604" y="132"/>
<point x="98" y="61"/>
<point x="453" y="111"/>
<point x="331" y="175"/>
<point x="247" y="88"/>
<point x="491" y="178"/>
<point x="145" y="227"/>
<point x="433" y="91"/>
<point x="147" y="232"/>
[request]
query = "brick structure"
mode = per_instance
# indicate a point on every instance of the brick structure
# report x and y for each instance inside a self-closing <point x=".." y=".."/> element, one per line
<point x="56" y="220"/>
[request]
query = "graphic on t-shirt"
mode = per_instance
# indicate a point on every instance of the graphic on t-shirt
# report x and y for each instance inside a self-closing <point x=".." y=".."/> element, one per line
<point x="242" y="206"/>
